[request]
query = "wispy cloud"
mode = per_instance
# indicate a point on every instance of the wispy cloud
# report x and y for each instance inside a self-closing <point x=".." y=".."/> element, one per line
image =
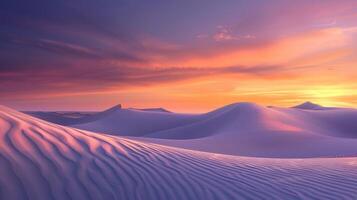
<point x="67" y="47"/>
<point x="225" y="33"/>
<point x="93" y="78"/>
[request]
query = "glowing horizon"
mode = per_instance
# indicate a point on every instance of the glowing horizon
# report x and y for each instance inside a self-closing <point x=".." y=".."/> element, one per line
<point x="86" y="56"/>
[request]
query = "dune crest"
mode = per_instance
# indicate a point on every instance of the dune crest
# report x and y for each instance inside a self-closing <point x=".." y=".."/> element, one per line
<point x="310" y="106"/>
<point x="245" y="129"/>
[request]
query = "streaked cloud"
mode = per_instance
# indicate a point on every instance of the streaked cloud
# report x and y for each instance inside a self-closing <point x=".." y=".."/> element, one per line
<point x="231" y="51"/>
<point x="225" y="33"/>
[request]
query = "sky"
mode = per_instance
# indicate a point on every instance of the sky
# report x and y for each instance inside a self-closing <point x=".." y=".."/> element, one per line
<point x="184" y="55"/>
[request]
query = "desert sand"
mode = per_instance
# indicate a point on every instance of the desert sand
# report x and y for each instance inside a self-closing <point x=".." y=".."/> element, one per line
<point x="240" y="151"/>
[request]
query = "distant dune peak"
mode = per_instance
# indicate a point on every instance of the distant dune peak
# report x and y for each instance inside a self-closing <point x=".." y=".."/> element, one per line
<point x="120" y="107"/>
<point x="239" y="106"/>
<point x="309" y="106"/>
<point x="158" y="109"/>
<point x="114" y="108"/>
<point x="249" y="105"/>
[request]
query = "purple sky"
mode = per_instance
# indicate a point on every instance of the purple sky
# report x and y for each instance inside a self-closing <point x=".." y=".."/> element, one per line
<point x="90" y="54"/>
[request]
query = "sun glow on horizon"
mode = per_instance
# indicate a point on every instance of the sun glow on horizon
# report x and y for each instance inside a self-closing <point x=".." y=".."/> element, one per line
<point x="267" y="53"/>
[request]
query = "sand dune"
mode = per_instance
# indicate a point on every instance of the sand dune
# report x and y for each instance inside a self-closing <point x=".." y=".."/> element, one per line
<point x="152" y="109"/>
<point x="244" y="129"/>
<point x="310" y="106"/>
<point x="41" y="160"/>
<point x="133" y="122"/>
<point x="71" y="118"/>
<point x="62" y="118"/>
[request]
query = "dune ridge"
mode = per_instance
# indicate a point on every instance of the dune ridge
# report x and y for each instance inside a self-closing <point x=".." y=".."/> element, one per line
<point x="41" y="160"/>
<point x="245" y="129"/>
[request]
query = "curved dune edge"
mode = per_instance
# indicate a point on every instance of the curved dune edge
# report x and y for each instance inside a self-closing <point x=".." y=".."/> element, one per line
<point x="40" y="160"/>
<point x="241" y="129"/>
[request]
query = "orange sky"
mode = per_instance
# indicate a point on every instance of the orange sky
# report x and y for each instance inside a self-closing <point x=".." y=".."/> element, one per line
<point x="312" y="66"/>
<point x="279" y="55"/>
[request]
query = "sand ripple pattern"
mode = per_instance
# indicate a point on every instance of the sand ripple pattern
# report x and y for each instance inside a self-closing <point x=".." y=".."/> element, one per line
<point x="40" y="160"/>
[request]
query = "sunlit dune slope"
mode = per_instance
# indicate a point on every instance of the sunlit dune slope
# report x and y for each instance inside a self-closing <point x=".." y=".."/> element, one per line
<point x="242" y="129"/>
